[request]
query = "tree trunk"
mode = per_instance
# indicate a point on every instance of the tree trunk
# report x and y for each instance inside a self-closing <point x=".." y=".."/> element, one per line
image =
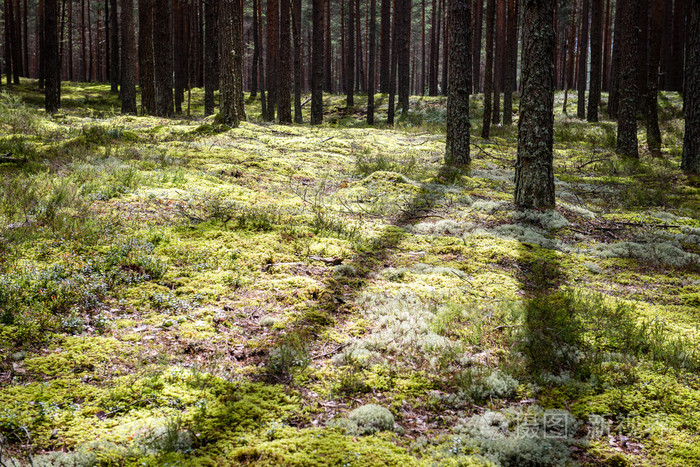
<point x="652" y="120"/>
<point x="350" y="57"/>
<point x="607" y="46"/>
<point x="571" y="52"/>
<point x="392" y="75"/>
<point x="146" y="69"/>
<point x="284" y="68"/>
<point x="643" y="57"/>
<point x="534" y="173"/>
<point x="404" y="52"/>
<point x="488" y="73"/>
<point x="628" y="81"/>
<point x="385" y="47"/>
<point x="691" y="140"/>
<point x="317" y="63"/>
<point x="476" y="46"/>
<point x="613" y="100"/>
<point x="372" y="61"/>
<point x="459" y="85"/>
<point x="211" y="54"/>
<point x="128" y="88"/>
<point x="583" y="60"/>
<point x="163" y="58"/>
<point x="114" y="44"/>
<point x="272" y="57"/>
<point x="327" y="55"/>
<point x="231" y="37"/>
<point x="296" y="29"/>
<point x="499" y="56"/>
<point x="675" y="73"/>
<point x="52" y="89"/>
<point x="511" y="58"/>
<point x="596" y="59"/>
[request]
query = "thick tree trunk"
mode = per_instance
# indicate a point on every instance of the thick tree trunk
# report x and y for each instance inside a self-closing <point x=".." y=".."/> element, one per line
<point x="675" y="73"/>
<point x="317" y="63"/>
<point x="146" y="65"/>
<point x="52" y="89"/>
<point x="534" y="173"/>
<point x="284" y="69"/>
<point x="583" y="60"/>
<point x="652" y="106"/>
<point x="627" y="144"/>
<point x="372" y="61"/>
<point x="327" y="55"/>
<point x="163" y="58"/>
<point x="643" y="57"/>
<point x="607" y="46"/>
<point x="596" y="59"/>
<point x="128" y="88"/>
<point x="231" y="37"/>
<point x="459" y="85"/>
<point x="404" y="53"/>
<point x="211" y="54"/>
<point x="691" y="140"/>
<point x="488" y="73"/>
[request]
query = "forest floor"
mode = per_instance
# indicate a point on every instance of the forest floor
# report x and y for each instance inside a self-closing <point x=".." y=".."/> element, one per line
<point x="176" y="292"/>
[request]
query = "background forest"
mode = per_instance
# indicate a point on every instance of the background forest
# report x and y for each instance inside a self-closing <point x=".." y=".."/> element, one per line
<point x="297" y="233"/>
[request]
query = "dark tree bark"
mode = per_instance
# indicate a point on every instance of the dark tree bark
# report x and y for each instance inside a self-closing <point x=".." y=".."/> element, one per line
<point x="675" y="72"/>
<point x="128" y="65"/>
<point x="18" y="56"/>
<point x="478" y="13"/>
<point x="350" y="57"/>
<point x="499" y="55"/>
<point x="488" y="73"/>
<point x="534" y="173"/>
<point x="392" y="70"/>
<point x="114" y="46"/>
<point x="296" y="29"/>
<point x="423" y="53"/>
<point x="385" y="47"/>
<point x="445" y="58"/>
<point x="256" y="52"/>
<point x="571" y="46"/>
<point x="372" y="61"/>
<point x="211" y="54"/>
<point x="510" y="63"/>
<point x="163" y="58"/>
<point x="52" y="66"/>
<point x="272" y="57"/>
<point x="327" y="55"/>
<point x="628" y="81"/>
<point x="146" y="65"/>
<point x="404" y="52"/>
<point x="613" y="99"/>
<point x="284" y="101"/>
<point x="643" y="57"/>
<point x="691" y="140"/>
<point x="317" y="63"/>
<point x="666" y="43"/>
<point x="39" y="43"/>
<point x="231" y="73"/>
<point x="583" y="60"/>
<point x="459" y="85"/>
<point x="607" y="46"/>
<point x="652" y="106"/>
<point x="596" y="59"/>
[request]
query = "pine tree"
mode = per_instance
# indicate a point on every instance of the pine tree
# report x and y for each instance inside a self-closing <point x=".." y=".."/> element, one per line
<point x="146" y="70"/>
<point x="52" y="87"/>
<point x="317" y="58"/>
<point x="534" y="173"/>
<point x="488" y="74"/>
<point x="596" y="59"/>
<point x="691" y="140"/>
<point x="211" y="54"/>
<point x="128" y="88"/>
<point x="372" y="61"/>
<point x="459" y="85"/>
<point x="583" y="60"/>
<point x="628" y="104"/>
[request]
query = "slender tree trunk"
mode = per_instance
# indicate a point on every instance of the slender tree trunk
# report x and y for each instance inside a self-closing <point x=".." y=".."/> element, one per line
<point x="476" y="46"/>
<point x="69" y="54"/>
<point x="284" y="101"/>
<point x="146" y="70"/>
<point x="385" y="47"/>
<point x="534" y="173"/>
<point x="583" y="60"/>
<point x="262" y="70"/>
<point x="83" y="43"/>
<point x="445" y="49"/>
<point x="256" y="53"/>
<point x="488" y="74"/>
<point x="272" y="57"/>
<point x="627" y="144"/>
<point x="40" y="42"/>
<point x="317" y="63"/>
<point x="691" y="140"/>
<point x="499" y="55"/>
<point x="128" y="88"/>
<point x="571" y="51"/>
<point x="231" y="73"/>
<point x="613" y="100"/>
<point x="52" y="66"/>
<point x="25" y="38"/>
<point x="8" y="41"/>
<point x="607" y="46"/>
<point x="666" y="44"/>
<point x="296" y="28"/>
<point x="114" y="44"/>
<point x="211" y="54"/>
<point x="163" y="58"/>
<point x="596" y="59"/>
<point x="394" y="61"/>
<point x="404" y="52"/>
<point x="643" y="58"/>
<point x="432" y="75"/>
<point x="511" y="58"/>
<point x="350" y="57"/>
<point x="652" y="120"/>
<point x="675" y="73"/>
<point x="328" y="56"/>
<point x="372" y="61"/>
<point x="423" y="51"/>
<point x="459" y="86"/>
